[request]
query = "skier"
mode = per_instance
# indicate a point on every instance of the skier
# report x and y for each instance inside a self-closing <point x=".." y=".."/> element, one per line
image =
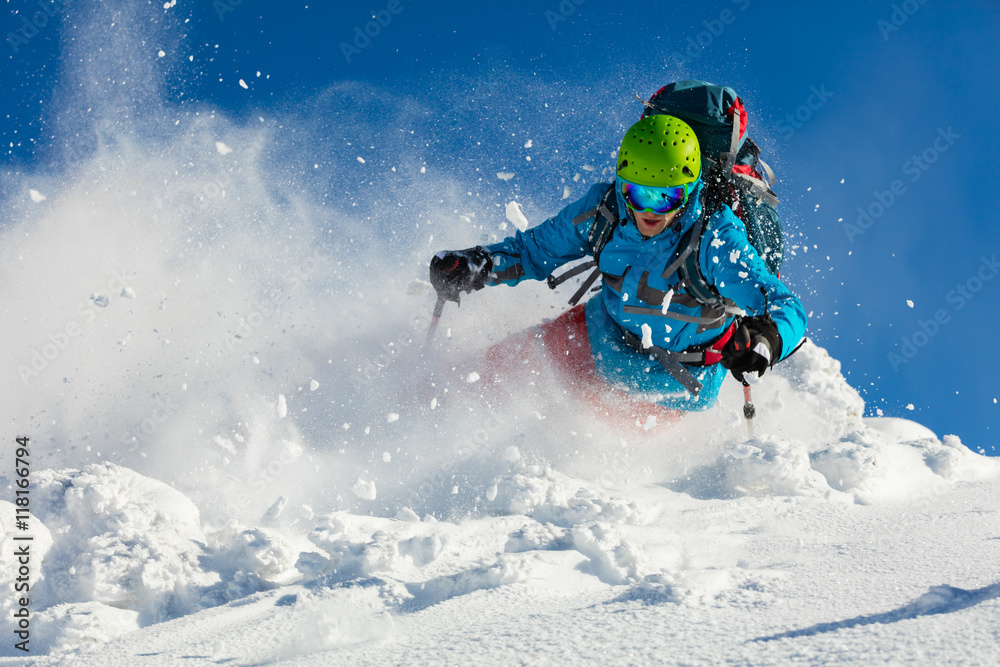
<point x="644" y="334"/>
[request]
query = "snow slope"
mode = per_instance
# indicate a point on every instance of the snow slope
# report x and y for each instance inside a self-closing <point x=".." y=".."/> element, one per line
<point x="772" y="581"/>
<point x="830" y="538"/>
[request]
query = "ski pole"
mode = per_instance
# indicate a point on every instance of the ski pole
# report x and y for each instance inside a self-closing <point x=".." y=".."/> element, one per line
<point x="436" y="318"/>
<point x="749" y="411"/>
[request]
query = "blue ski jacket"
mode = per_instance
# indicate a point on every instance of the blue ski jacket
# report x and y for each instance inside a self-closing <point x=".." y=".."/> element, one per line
<point x="635" y="292"/>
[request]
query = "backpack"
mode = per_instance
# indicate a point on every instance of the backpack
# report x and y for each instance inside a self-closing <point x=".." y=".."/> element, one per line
<point x="732" y="173"/>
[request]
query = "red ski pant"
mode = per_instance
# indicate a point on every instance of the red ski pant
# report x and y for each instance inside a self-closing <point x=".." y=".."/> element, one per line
<point x="562" y="347"/>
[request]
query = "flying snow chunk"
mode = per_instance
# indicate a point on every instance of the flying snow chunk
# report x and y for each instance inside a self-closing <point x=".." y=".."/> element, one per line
<point x="666" y="304"/>
<point x="36" y="196"/>
<point x="282" y="406"/>
<point x="222" y="148"/>
<point x="909" y="303"/>
<point x="418" y="287"/>
<point x="647" y="336"/>
<point x="364" y="489"/>
<point x="567" y="191"/>
<point x="243" y="84"/>
<point x="910" y="406"/>
<point x="408" y="515"/>
<point x="392" y="417"/>
<point x="274" y="511"/>
<point x="386" y="457"/>
<point x="472" y="377"/>
<point x="505" y="175"/>
<point x="313" y="385"/>
<point x="161" y="53"/>
<point x="515" y="215"/>
<point x="589" y="167"/>
<point x="527" y="144"/>
<point x="361" y="159"/>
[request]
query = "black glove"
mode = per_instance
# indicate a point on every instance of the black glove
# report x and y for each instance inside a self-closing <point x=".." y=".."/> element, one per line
<point x="754" y="347"/>
<point x="456" y="271"/>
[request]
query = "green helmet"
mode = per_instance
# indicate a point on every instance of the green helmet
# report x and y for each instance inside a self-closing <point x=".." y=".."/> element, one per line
<point x="660" y="151"/>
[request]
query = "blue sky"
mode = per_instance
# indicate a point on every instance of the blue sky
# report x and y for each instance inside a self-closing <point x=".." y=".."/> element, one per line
<point x="897" y="100"/>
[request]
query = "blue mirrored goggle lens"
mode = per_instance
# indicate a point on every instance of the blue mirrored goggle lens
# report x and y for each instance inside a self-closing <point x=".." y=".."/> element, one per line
<point x="649" y="199"/>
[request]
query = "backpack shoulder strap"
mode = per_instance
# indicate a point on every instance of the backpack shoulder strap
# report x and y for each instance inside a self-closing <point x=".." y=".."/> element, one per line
<point x="690" y="257"/>
<point x="693" y="279"/>
<point x="604" y="224"/>
<point x="605" y="218"/>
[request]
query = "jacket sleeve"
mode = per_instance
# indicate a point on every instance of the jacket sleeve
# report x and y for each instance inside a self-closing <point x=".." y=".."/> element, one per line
<point x="537" y="252"/>
<point x="730" y="263"/>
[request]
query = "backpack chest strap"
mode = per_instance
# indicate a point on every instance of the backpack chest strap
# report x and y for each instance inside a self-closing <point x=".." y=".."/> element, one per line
<point x="676" y="363"/>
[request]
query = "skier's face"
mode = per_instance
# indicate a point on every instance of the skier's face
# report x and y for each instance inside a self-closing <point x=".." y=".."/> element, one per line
<point x="651" y="224"/>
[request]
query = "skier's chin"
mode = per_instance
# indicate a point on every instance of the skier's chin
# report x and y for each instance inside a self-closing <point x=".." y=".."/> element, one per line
<point x="651" y="225"/>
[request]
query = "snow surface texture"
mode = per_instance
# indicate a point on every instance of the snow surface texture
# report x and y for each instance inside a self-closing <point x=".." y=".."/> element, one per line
<point x="694" y="527"/>
<point x="242" y="452"/>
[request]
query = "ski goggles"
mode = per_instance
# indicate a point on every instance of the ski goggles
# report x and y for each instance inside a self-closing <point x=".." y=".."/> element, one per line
<point x="650" y="199"/>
